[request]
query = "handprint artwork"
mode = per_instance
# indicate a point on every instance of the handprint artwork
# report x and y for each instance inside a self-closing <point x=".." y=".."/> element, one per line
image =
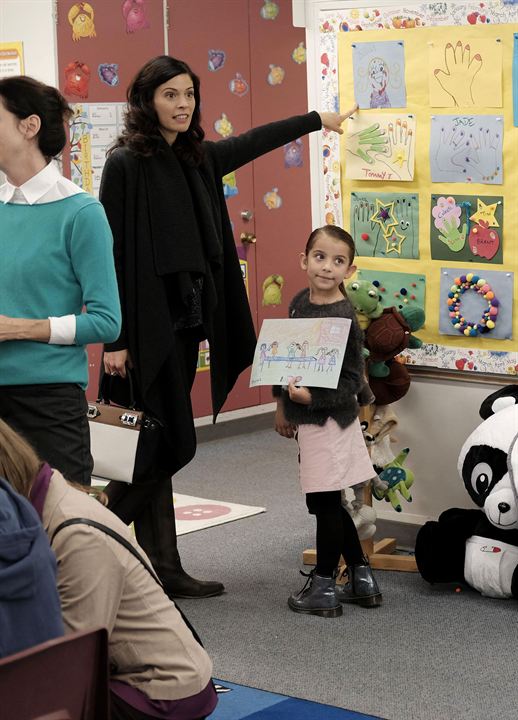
<point x="466" y="149"/>
<point x="466" y="74"/>
<point x="379" y="74"/>
<point x="385" y="224"/>
<point x="380" y="147"/>
<point x="458" y="231"/>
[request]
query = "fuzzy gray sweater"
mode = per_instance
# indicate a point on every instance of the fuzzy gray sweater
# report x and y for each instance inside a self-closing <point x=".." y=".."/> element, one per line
<point x="340" y="404"/>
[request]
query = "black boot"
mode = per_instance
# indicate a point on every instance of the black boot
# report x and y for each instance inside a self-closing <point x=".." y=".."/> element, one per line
<point x="362" y="588"/>
<point x="155" y="529"/>
<point x="317" y="597"/>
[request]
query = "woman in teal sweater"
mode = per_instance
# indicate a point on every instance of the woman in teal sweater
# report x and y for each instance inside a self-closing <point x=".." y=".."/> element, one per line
<point x="56" y="250"/>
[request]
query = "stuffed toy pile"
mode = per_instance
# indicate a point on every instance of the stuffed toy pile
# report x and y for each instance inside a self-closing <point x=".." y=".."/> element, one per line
<point x="388" y="332"/>
<point x="480" y="546"/>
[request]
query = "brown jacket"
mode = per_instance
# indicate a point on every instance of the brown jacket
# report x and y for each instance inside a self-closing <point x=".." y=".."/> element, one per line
<point x="101" y="584"/>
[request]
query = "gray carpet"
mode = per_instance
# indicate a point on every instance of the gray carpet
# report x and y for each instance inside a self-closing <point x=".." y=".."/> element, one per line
<point x="426" y="654"/>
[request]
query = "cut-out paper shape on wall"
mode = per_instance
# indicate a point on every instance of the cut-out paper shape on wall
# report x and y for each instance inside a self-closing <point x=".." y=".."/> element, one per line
<point x="223" y="126"/>
<point x="465" y="73"/>
<point x="397" y="289"/>
<point x="216" y="60"/>
<point x="379" y="74"/>
<point x="238" y="85"/>
<point x="276" y="75"/>
<point x="81" y="18"/>
<point x="466" y="228"/>
<point x="269" y="10"/>
<point x="299" y="54"/>
<point x="293" y="156"/>
<point x="380" y="146"/>
<point x="272" y="199"/>
<point x="466" y="148"/>
<point x="272" y="290"/>
<point x="473" y="308"/>
<point x="515" y="79"/>
<point x="77" y="79"/>
<point x="230" y="185"/>
<point x="109" y="73"/>
<point x="135" y="15"/>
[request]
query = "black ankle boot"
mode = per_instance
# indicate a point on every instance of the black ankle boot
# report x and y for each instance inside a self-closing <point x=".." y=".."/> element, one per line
<point x="155" y="530"/>
<point x="317" y="597"/>
<point x="362" y="588"/>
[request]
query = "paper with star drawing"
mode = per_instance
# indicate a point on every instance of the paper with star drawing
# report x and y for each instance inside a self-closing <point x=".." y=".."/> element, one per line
<point x="467" y="228"/>
<point x="380" y="146"/>
<point x="385" y="224"/>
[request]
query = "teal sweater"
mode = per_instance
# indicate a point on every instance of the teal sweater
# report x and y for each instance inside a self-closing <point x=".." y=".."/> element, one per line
<point x="55" y="259"/>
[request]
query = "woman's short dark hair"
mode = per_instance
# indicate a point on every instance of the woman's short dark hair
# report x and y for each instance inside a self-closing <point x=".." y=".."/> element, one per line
<point x="23" y="96"/>
<point x="335" y="232"/>
<point x="141" y="133"/>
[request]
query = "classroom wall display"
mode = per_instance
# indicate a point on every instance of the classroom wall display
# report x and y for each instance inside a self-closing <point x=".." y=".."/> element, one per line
<point x="431" y="24"/>
<point x="380" y="147"/>
<point x="379" y="74"/>
<point x="397" y="289"/>
<point x="467" y="149"/>
<point x="476" y="302"/>
<point x="466" y="72"/>
<point x="385" y="224"/>
<point x="467" y="228"/>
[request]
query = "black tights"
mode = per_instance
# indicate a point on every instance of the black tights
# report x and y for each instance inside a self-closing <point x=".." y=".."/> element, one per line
<point x="336" y="532"/>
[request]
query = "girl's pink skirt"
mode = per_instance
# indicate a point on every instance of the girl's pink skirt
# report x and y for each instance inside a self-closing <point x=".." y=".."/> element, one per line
<point x="331" y="457"/>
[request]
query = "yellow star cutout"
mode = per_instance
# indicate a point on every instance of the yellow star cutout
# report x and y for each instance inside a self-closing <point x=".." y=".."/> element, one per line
<point x="394" y="240"/>
<point x="384" y="216"/>
<point x="486" y="213"/>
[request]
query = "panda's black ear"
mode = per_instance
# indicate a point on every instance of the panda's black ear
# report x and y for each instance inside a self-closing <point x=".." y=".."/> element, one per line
<point x="499" y="400"/>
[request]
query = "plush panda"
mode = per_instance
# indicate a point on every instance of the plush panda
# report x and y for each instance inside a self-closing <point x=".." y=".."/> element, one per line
<point x="480" y="546"/>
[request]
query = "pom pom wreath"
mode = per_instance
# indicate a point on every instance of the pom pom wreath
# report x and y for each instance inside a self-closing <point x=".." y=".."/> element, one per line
<point x="487" y="322"/>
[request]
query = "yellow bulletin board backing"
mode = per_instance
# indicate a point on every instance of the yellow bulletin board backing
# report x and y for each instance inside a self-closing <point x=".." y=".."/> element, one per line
<point x="418" y="44"/>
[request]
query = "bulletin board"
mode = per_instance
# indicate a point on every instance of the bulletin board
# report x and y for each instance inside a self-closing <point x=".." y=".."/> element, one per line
<point x="436" y="243"/>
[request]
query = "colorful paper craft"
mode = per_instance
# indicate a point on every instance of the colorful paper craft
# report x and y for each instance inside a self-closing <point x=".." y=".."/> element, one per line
<point x="467" y="228"/>
<point x="305" y="351"/>
<point x="380" y="146"/>
<point x="466" y="148"/>
<point x="397" y="289"/>
<point x="465" y="73"/>
<point x="379" y="74"/>
<point x="476" y="303"/>
<point x="385" y="224"/>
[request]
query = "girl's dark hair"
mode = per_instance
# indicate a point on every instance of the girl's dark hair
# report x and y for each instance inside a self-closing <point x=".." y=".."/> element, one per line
<point x="335" y="232"/>
<point x="141" y="132"/>
<point x="23" y="96"/>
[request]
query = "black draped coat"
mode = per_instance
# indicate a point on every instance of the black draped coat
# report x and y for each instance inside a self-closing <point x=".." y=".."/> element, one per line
<point x="146" y="323"/>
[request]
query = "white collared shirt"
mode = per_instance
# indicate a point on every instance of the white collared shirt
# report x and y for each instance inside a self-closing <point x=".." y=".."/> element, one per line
<point x="48" y="185"/>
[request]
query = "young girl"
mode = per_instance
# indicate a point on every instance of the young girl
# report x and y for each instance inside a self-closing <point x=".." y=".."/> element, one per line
<point x="332" y="452"/>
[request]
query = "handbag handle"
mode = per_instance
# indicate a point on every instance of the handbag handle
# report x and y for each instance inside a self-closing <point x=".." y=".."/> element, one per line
<point x="105" y="388"/>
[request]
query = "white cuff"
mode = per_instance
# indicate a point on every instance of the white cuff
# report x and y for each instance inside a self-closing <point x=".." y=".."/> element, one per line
<point x="62" y="330"/>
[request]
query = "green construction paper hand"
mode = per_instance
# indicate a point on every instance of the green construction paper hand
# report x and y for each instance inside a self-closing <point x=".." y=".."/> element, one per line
<point x="451" y="236"/>
<point x="399" y="480"/>
<point x="370" y="140"/>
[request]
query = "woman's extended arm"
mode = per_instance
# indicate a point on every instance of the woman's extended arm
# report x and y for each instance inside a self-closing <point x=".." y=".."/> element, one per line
<point x="235" y="152"/>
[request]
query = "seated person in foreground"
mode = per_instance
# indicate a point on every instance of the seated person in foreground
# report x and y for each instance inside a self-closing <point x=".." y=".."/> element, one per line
<point x="30" y="612"/>
<point x="157" y="666"/>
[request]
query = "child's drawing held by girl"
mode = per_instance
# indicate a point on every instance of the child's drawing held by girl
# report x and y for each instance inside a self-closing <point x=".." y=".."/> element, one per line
<point x="332" y="452"/>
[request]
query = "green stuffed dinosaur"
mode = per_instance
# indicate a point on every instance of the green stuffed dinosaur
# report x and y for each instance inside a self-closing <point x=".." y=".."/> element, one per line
<point x="399" y="479"/>
<point x="365" y="300"/>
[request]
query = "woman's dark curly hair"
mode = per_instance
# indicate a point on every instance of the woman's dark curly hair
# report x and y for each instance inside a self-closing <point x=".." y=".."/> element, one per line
<point x="23" y="96"/>
<point x="141" y="132"/>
